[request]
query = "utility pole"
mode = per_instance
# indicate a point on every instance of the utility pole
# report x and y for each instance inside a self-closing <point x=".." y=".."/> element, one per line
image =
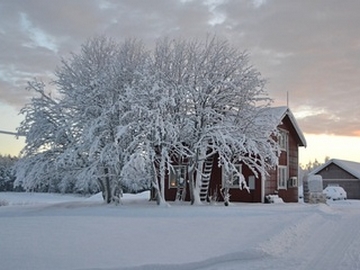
<point x="287" y="99"/>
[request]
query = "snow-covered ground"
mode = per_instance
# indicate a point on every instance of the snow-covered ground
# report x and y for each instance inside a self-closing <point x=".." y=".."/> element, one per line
<point x="48" y="231"/>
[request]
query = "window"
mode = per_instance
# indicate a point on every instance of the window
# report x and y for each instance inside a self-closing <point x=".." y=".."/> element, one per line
<point x="283" y="140"/>
<point x="282" y="177"/>
<point x="177" y="176"/>
<point x="293" y="181"/>
<point x="232" y="180"/>
<point x="251" y="183"/>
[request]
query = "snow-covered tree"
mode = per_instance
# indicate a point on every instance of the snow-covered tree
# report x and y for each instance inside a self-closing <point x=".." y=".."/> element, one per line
<point x="124" y="114"/>
<point x="88" y="85"/>
<point x="82" y="140"/>
<point x="211" y="102"/>
<point x="48" y="134"/>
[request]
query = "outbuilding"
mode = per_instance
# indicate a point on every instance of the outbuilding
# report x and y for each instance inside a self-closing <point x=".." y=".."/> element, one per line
<point x="344" y="173"/>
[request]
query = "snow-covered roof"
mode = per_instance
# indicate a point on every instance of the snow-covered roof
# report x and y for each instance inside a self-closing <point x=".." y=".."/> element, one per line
<point x="349" y="166"/>
<point x="279" y="113"/>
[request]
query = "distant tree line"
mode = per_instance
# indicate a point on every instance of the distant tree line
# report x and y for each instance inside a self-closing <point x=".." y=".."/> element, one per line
<point x="312" y="165"/>
<point x="7" y="173"/>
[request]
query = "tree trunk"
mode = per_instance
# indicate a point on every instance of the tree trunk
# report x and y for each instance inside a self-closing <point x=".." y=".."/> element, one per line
<point x="107" y="194"/>
<point x="191" y="182"/>
<point x="160" y="198"/>
<point x="196" y="181"/>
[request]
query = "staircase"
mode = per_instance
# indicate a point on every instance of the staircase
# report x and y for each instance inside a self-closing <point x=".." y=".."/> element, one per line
<point x="206" y="178"/>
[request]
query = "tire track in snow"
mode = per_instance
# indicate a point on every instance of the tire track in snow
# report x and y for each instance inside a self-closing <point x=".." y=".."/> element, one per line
<point x="351" y="258"/>
<point x="293" y="236"/>
<point x="318" y="241"/>
<point x="332" y="245"/>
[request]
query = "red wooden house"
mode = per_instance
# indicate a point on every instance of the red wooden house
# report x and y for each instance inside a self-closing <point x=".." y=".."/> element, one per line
<point x="281" y="181"/>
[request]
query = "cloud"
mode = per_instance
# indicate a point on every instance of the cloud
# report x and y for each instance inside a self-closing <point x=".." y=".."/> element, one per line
<point x="308" y="49"/>
<point x="37" y="36"/>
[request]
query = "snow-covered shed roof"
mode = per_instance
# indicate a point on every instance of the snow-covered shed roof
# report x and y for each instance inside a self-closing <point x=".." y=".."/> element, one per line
<point x="279" y="113"/>
<point x="349" y="166"/>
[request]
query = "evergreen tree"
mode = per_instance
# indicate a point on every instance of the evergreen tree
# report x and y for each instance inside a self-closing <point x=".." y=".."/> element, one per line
<point x="7" y="173"/>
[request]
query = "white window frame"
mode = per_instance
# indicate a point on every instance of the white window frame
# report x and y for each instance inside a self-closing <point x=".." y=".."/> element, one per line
<point x="282" y="177"/>
<point x="177" y="176"/>
<point x="283" y="140"/>
<point x="229" y="179"/>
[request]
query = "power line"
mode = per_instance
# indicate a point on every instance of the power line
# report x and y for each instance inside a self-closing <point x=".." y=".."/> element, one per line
<point x="11" y="133"/>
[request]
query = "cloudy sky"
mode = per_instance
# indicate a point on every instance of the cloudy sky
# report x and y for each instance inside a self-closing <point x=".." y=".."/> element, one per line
<point x="309" y="49"/>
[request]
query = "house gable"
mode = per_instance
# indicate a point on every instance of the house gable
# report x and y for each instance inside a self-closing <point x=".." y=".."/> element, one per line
<point x="333" y="171"/>
<point x="338" y="169"/>
<point x="284" y="117"/>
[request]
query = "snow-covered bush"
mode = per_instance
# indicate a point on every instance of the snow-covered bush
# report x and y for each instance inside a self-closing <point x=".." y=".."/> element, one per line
<point x="3" y="202"/>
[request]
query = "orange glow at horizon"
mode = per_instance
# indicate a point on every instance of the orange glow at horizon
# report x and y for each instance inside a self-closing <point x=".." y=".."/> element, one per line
<point x="320" y="146"/>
